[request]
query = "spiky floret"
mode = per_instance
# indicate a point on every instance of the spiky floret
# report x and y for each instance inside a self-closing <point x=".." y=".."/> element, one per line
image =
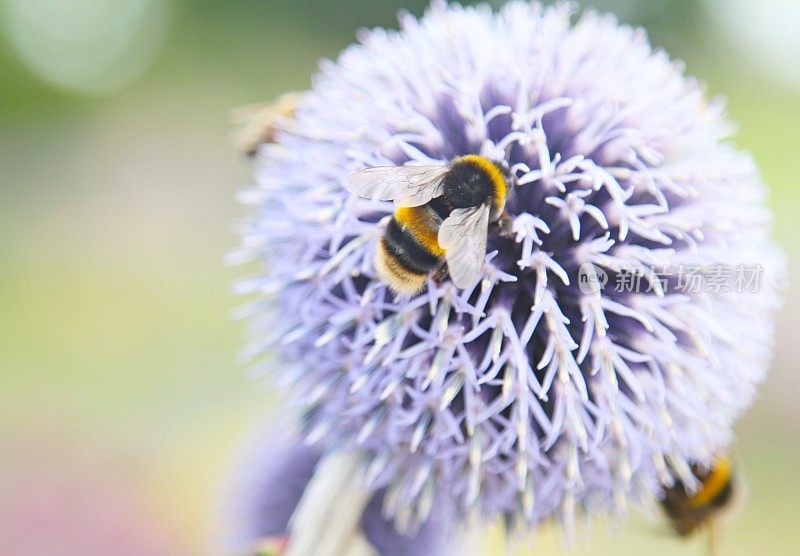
<point x="521" y="395"/>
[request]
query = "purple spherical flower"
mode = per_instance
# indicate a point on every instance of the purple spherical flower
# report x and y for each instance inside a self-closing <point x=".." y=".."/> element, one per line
<point x="611" y="342"/>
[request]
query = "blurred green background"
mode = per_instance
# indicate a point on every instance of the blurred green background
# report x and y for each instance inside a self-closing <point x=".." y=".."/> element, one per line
<point x="122" y="398"/>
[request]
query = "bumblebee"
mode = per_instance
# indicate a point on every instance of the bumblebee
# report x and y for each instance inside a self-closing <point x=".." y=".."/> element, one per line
<point x="259" y="123"/>
<point x="442" y="216"/>
<point x="717" y="492"/>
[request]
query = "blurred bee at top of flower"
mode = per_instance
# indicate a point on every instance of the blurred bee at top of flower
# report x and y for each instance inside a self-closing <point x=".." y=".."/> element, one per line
<point x="717" y="493"/>
<point x="260" y="122"/>
<point x="443" y="215"/>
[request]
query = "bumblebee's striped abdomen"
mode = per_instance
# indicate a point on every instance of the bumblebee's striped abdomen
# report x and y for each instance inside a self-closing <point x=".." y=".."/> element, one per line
<point x="422" y="225"/>
<point x="409" y="250"/>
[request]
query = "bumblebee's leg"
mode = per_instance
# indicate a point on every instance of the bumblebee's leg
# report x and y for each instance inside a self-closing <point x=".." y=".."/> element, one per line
<point x="441" y="272"/>
<point x="713" y="546"/>
<point x="504" y="225"/>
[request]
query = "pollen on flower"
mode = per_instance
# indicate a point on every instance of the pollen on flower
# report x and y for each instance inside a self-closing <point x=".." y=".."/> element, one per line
<point x="525" y="394"/>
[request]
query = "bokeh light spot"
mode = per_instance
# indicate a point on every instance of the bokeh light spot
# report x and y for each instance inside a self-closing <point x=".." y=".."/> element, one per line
<point x="93" y="47"/>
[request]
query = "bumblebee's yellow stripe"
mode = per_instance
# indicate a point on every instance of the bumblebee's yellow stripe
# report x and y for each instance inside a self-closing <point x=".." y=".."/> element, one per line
<point x="418" y="221"/>
<point x="494" y="173"/>
<point x="716" y="481"/>
<point x="395" y="274"/>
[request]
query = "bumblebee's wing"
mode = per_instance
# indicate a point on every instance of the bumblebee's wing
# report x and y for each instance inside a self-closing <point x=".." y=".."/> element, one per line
<point x="463" y="237"/>
<point x="407" y="186"/>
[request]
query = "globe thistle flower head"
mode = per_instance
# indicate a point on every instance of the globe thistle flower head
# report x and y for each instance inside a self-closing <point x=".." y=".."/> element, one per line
<point x="541" y="389"/>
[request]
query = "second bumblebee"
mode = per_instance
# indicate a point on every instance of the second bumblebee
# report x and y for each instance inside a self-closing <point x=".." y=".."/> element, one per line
<point x="717" y="492"/>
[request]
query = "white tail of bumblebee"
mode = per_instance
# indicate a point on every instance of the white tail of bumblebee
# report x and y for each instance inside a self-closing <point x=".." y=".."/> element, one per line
<point x="327" y="519"/>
